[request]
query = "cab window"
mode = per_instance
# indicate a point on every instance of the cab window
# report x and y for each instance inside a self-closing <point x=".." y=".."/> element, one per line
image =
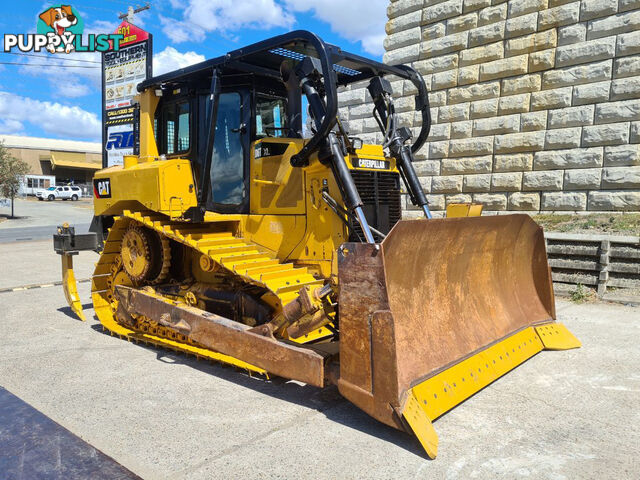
<point x="172" y="128"/>
<point x="169" y="117"/>
<point x="182" y="135"/>
<point x="227" y="164"/>
<point x="271" y="116"/>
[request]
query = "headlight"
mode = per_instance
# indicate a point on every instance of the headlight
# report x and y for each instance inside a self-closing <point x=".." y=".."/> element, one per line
<point x="356" y="143"/>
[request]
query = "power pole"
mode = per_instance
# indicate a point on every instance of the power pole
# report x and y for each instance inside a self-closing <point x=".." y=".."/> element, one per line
<point x="131" y="11"/>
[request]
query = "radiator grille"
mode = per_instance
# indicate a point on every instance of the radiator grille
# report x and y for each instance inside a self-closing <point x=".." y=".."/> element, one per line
<point x="380" y="194"/>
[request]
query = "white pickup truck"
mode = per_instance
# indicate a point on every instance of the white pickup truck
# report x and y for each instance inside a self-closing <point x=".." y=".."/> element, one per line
<point x="63" y="192"/>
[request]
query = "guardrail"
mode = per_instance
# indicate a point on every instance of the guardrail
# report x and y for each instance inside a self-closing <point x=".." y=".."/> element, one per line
<point x="597" y="261"/>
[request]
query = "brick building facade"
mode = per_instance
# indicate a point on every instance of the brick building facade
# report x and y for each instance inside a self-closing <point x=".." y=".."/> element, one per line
<point x="535" y="103"/>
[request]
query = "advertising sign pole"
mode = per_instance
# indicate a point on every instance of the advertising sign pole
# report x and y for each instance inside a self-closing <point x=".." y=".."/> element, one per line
<point x="122" y="70"/>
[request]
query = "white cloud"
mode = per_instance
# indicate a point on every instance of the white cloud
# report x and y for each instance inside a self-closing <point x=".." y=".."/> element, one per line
<point x="141" y="18"/>
<point x="75" y="74"/>
<point x="51" y="117"/>
<point x="11" y="127"/>
<point x="100" y="26"/>
<point x="355" y="20"/>
<point x="67" y="76"/>
<point x="72" y="89"/>
<point x="232" y="14"/>
<point x="171" y="59"/>
<point x="202" y="16"/>
<point x="180" y="31"/>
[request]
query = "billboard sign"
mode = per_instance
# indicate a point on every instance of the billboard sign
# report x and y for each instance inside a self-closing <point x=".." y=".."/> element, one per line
<point x="122" y="70"/>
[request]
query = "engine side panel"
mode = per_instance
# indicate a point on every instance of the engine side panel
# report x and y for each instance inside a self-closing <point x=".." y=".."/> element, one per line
<point x="163" y="186"/>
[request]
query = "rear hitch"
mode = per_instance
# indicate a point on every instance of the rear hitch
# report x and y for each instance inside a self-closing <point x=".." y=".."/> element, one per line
<point x="67" y="243"/>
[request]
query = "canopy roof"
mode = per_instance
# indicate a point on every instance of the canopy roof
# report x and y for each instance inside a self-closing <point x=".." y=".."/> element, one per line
<point x="73" y="160"/>
<point x="265" y="58"/>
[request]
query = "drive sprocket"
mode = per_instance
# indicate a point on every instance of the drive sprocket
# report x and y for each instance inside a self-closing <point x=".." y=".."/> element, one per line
<point x="146" y="256"/>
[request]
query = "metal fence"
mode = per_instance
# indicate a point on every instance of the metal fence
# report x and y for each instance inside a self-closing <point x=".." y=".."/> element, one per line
<point x="86" y="189"/>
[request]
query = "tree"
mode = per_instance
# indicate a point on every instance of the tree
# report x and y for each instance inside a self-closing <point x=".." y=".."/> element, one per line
<point x="11" y="172"/>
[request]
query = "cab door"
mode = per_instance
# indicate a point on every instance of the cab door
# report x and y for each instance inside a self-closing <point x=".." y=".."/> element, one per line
<point x="277" y="188"/>
<point x="229" y="171"/>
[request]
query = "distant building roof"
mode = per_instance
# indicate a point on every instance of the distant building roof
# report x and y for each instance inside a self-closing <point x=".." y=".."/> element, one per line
<point x="17" y="141"/>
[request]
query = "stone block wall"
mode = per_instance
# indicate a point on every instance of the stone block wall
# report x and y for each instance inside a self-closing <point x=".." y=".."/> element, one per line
<point x="535" y="103"/>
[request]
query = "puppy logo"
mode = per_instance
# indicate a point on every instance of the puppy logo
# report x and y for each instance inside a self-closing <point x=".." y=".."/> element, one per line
<point x="59" y="30"/>
<point x="61" y="24"/>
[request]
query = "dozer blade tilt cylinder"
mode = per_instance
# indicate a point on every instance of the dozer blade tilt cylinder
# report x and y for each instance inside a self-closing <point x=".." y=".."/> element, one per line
<point x="381" y="92"/>
<point x="348" y="186"/>
<point x="308" y="70"/>
<point x="404" y="161"/>
<point x="440" y="324"/>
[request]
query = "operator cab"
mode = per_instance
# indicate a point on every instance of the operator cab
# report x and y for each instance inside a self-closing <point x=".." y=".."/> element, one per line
<point x="257" y="93"/>
<point x="249" y="108"/>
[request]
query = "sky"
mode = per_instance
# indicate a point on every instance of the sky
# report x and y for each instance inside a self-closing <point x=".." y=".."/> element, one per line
<point x="59" y="96"/>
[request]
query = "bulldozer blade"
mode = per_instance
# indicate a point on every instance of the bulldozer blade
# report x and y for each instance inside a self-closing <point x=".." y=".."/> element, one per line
<point x="70" y="286"/>
<point x="437" y="311"/>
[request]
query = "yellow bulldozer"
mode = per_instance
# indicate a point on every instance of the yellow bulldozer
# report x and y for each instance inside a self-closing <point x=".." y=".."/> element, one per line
<point x="233" y="236"/>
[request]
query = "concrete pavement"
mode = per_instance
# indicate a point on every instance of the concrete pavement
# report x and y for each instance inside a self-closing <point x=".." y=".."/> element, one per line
<point x="22" y="234"/>
<point x="38" y="220"/>
<point x="32" y="213"/>
<point x="29" y="263"/>
<point x="561" y="415"/>
<point x="33" y="446"/>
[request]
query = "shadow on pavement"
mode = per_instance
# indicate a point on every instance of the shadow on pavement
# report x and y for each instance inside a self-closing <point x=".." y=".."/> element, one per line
<point x="327" y="401"/>
<point x="69" y="313"/>
<point x="7" y="216"/>
<point x="36" y="447"/>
